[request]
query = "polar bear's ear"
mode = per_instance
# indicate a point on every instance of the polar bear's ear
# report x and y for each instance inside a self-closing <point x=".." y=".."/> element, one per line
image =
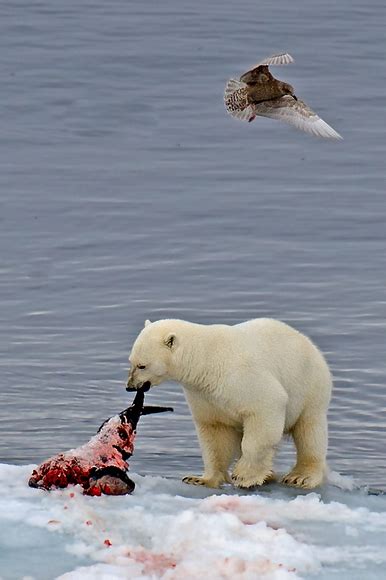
<point x="170" y="340"/>
<point x="147" y="322"/>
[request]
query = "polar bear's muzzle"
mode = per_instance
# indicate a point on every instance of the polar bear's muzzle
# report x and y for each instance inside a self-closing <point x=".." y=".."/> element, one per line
<point x="144" y="386"/>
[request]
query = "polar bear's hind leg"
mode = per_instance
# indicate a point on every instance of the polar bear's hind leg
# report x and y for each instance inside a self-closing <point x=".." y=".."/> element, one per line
<point x="310" y="438"/>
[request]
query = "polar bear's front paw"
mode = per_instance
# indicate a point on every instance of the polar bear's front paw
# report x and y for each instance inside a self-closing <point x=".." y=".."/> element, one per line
<point x="194" y="480"/>
<point x="245" y="482"/>
<point x="249" y="477"/>
<point x="307" y="479"/>
<point x="213" y="482"/>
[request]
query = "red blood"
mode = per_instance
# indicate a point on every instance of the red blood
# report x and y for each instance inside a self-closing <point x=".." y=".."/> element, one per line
<point x="107" y="542"/>
<point x="93" y="491"/>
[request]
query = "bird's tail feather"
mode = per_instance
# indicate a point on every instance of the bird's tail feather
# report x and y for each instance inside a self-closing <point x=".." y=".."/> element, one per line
<point x="236" y="100"/>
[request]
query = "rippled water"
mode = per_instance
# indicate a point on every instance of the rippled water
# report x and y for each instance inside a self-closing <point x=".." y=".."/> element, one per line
<point x="126" y="193"/>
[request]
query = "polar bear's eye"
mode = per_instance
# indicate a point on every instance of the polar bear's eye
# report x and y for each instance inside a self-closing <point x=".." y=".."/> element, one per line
<point x="141" y="367"/>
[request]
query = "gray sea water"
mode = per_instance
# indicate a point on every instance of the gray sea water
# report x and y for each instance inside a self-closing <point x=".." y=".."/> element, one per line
<point x="126" y="193"/>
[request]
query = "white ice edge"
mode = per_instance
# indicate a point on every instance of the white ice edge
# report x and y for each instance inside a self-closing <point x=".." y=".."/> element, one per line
<point x="169" y="530"/>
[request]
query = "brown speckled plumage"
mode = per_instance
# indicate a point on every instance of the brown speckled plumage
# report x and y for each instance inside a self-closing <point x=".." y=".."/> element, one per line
<point x="258" y="93"/>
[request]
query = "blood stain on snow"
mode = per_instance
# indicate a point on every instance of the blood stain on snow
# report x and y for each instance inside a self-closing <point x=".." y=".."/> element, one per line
<point x="152" y="562"/>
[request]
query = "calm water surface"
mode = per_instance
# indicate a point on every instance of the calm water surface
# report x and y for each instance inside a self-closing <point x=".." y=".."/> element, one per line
<point x="126" y="193"/>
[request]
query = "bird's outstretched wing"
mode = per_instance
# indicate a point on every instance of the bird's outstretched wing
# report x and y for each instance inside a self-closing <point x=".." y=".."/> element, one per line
<point x="276" y="59"/>
<point x="254" y="74"/>
<point x="296" y="113"/>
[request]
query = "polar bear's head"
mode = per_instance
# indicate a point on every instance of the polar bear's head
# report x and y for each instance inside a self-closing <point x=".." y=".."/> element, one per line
<point x="151" y="355"/>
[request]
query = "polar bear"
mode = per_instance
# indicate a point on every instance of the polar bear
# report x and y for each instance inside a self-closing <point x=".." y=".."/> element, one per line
<point x="246" y="385"/>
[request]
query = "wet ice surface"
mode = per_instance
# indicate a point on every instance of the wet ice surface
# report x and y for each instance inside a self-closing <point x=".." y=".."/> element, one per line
<point x="169" y="530"/>
<point x="126" y="193"/>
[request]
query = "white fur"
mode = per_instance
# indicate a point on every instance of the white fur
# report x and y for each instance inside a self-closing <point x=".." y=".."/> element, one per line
<point x="246" y="386"/>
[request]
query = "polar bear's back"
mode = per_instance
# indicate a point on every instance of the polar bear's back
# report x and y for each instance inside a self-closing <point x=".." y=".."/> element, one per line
<point x="270" y="333"/>
<point x="288" y="355"/>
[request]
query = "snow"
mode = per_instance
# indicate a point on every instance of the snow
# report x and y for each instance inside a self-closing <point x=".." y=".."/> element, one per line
<point x="169" y="530"/>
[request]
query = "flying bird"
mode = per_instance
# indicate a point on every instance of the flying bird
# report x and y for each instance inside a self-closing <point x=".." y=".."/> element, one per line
<point x="259" y="94"/>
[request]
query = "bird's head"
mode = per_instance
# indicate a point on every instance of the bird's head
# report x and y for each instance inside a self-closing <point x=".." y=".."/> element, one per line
<point x="287" y="89"/>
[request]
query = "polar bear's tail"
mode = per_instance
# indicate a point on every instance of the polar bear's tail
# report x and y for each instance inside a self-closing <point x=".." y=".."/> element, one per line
<point x="236" y="101"/>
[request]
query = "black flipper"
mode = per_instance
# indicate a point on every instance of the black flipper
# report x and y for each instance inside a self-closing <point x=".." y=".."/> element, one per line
<point x="149" y="409"/>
